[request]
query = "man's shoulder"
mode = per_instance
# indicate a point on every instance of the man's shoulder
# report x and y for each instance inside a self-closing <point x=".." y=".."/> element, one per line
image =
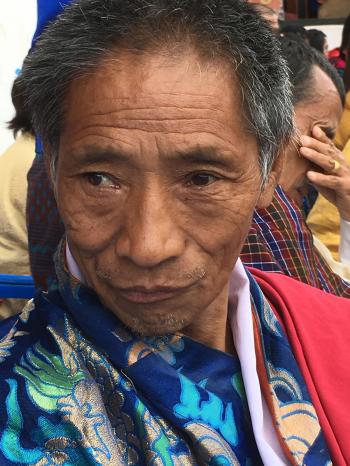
<point x="294" y="291"/>
<point x="16" y="326"/>
<point x="23" y="332"/>
<point x="313" y="313"/>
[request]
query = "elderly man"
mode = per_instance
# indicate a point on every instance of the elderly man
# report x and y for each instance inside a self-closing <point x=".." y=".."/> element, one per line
<point x="161" y="125"/>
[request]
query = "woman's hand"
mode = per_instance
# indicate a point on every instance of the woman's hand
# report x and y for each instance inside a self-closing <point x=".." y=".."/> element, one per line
<point x="334" y="180"/>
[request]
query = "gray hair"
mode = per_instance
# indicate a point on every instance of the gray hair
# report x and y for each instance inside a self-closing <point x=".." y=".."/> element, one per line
<point x="89" y="31"/>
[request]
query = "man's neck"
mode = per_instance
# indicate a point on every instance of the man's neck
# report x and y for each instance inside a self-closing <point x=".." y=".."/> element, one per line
<point x="212" y="327"/>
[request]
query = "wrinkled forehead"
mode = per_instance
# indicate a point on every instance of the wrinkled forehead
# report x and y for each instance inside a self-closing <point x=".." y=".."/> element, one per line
<point x="159" y="84"/>
<point x="154" y="104"/>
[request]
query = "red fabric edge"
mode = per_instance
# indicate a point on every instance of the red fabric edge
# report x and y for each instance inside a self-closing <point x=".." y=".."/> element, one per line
<point x="296" y="305"/>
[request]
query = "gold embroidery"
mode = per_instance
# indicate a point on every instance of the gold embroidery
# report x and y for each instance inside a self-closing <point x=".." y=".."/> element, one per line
<point x="210" y="444"/>
<point x="297" y="421"/>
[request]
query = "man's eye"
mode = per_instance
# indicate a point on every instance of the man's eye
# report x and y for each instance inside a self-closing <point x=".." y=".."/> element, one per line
<point x="101" y="180"/>
<point x="329" y="133"/>
<point x="202" y="179"/>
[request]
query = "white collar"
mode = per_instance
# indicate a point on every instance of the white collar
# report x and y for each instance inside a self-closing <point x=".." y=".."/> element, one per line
<point x="73" y="266"/>
<point x="241" y="320"/>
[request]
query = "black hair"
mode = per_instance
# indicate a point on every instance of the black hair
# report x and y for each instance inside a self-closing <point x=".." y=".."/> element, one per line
<point x="301" y="59"/>
<point x="316" y="39"/>
<point x="294" y="29"/>
<point x="21" y="122"/>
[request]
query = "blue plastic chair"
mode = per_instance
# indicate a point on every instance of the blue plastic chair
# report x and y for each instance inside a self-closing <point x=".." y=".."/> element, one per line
<point x="16" y="286"/>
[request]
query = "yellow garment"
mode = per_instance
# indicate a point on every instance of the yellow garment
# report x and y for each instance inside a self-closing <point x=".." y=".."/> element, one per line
<point x="14" y="259"/>
<point x="324" y="219"/>
<point x="343" y="270"/>
<point x="343" y="131"/>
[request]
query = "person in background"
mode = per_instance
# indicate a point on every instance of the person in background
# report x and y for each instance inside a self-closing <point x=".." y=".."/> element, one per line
<point x="163" y="123"/>
<point x="313" y="7"/>
<point x="343" y="132"/>
<point x="14" y="166"/>
<point x="318" y="40"/>
<point x="347" y="68"/>
<point x="279" y="239"/>
<point x="324" y="219"/>
<point x="337" y="56"/>
<point x="328" y="226"/>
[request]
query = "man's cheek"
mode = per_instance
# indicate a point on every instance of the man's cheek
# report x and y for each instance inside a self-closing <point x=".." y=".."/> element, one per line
<point x="226" y="231"/>
<point x="88" y="232"/>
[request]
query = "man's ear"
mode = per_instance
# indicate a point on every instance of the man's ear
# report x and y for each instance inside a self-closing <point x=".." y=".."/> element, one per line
<point x="266" y="194"/>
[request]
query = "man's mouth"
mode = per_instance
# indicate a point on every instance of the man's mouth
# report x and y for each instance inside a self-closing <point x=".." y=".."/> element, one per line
<point x="144" y="295"/>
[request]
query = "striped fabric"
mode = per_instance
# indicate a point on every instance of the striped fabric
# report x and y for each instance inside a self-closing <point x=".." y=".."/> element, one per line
<point x="279" y="240"/>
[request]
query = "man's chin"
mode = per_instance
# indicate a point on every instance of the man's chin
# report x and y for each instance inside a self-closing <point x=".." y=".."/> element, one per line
<point x="163" y="326"/>
<point x="150" y="319"/>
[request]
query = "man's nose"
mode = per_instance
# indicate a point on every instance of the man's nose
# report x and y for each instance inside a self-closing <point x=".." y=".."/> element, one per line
<point x="151" y="235"/>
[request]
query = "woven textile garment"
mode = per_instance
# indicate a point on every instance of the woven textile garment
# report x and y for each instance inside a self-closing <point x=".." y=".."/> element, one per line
<point x="78" y="388"/>
<point x="45" y="227"/>
<point x="279" y="240"/>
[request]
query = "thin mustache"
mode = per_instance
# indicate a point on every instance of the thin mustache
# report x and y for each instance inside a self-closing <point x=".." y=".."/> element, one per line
<point x="180" y="281"/>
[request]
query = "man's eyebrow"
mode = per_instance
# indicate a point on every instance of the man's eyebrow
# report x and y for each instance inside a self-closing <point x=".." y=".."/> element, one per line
<point x="204" y="155"/>
<point x="196" y="156"/>
<point x="94" y="155"/>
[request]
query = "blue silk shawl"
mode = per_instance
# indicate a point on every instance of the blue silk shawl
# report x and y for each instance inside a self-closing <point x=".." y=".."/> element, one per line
<point x="78" y="388"/>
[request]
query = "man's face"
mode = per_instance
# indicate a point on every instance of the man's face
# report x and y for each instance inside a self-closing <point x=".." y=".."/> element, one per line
<point x="156" y="182"/>
<point x="323" y="110"/>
